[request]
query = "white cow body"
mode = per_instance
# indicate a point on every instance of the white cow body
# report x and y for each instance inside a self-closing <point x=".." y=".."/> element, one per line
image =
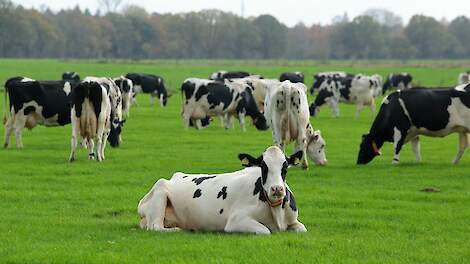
<point x="288" y="115"/>
<point x="230" y="202"/>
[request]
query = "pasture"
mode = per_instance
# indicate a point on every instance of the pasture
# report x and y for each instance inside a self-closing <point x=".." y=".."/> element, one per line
<point x="85" y="212"/>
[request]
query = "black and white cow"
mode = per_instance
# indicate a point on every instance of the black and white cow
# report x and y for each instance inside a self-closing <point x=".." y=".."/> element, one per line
<point x="320" y="78"/>
<point x="288" y="115"/>
<point x="205" y="98"/>
<point x="35" y="102"/>
<point x="358" y="89"/>
<point x="464" y="78"/>
<point x="223" y="75"/>
<point x="71" y="77"/>
<point x="256" y="199"/>
<point x="91" y="118"/>
<point x="293" y="77"/>
<point x="397" y="81"/>
<point x="126" y="87"/>
<point x="150" y="84"/>
<point x="439" y="113"/>
<point x="115" y="97"/>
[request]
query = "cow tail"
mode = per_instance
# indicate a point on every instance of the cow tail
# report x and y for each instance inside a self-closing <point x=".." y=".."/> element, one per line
<point x="5" y="102"/>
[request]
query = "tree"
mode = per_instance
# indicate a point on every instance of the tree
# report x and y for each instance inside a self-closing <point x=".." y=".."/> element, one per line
<point x="273" y="36"/>
<point x="460" y="29"/>
<point x="109" y="5"/>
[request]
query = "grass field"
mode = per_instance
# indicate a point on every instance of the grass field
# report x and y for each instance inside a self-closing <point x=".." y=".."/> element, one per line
<point x="55" y="212"/>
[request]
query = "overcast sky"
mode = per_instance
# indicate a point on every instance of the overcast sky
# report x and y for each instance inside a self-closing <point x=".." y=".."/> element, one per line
<point x="289" y="12"/>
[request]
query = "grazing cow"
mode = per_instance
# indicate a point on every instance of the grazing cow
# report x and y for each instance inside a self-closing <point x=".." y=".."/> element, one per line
<point x="358" y="90"/>
<point x="126" y="87"/>
<point x="115" y="97"/>
<point x="151" y="84"/>
<point x="206" y="98"/>
<point x="293" y="77"/>
<point x="91" y="117"/>
<point x="256" y="199"/>
<point x="464" y="78"/>
<point x="321" y="77"/>
<point x="397" y="81"/>
<point x="439" y="113"/>
<point x="71" y="77"/>
<point x="288" y="115"/>
<point x="223" y="75"/>
<point x="35" y="102"/>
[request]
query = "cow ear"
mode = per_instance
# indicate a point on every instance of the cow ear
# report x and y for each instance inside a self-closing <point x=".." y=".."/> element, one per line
<point x="249" y="161"/>
<point x="294" y="160"/>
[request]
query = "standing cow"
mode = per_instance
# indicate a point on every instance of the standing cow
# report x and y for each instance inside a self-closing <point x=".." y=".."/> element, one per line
<point x="127" y="92"/>
<point x="115" y="97"/>
<point x="293" y="77"/>
<point x="320" y="78"/>
<point x="440" y="112"/>
<point x="35" y="102"/>
<point x="91" y="118"/>
<point x="397" y="81"/>
<point x="254" y="200"/>
<point x="205" y="98"/>
<point x="358" y="89"/>
<point x="150" y="84"/>
<point x="288" y="115"/>
<point x="223" y="75"/>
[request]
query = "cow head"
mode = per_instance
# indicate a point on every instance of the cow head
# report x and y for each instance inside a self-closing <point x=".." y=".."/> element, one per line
<point x="252" y="110"/>
<point x="316" y="148"/>
<point x="271" y="185"/>
<point x="114" y="137"/>
<point x="162" y="94"/>
<point x="368" y="150"/>
<point x="325" y="94"/>
<point x="71" y="77"/>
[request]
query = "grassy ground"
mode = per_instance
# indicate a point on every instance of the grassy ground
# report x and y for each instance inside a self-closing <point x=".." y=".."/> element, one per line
<point x="53" y="211"/>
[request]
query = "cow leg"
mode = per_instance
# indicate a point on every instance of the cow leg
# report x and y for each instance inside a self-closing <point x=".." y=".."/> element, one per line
<point x="228" y="121"/>
<point x="297" y="227"/>
<point x="334" y="108"/>
<point x="152" y="99"/>
<point x="105" y="141"/>
<point x="241" y="119"/>
<point x="463" y="144"/>
<point x="8" y="130"/>
<point x="91" y="149"/>
<point x="359" y="109"/>
<point x="398" y="141"/>
<point x="301" y="145"/>
<point x="74" y="140"/>
<point x="246" y="225"/>
<point x="372" y="106"/>
<point x="18" y="124"/>
<point x="223" y="120"/>
<point x="416" y="147"/>
<point x="153" y="207"/>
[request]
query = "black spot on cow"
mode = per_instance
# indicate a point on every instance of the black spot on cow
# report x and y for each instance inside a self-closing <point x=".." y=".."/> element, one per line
<point x="219" y="94"/>
<point x="201" y="179"/>
<point x="221" y="211"/>
<point x="197" y="193"/>
<point x="188" y="90"/>
<point x="222" y="193"/>
<point x="184" y="177"/>
<point x="259" y="190"/>
<point x="292" y="203"/>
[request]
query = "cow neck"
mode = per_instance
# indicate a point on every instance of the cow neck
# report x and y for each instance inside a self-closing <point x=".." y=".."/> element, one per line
<point x="266" y="197"/>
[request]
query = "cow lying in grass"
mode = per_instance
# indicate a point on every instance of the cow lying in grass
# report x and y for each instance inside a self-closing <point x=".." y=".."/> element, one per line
<point x="256" y="199"/>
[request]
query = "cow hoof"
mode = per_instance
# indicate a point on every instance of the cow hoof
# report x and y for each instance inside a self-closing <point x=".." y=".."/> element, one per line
<point x="395" y="162"/>
<point x="5" y="145"/>
<point x="304" y="167"/>
<point x="71" y="160"/>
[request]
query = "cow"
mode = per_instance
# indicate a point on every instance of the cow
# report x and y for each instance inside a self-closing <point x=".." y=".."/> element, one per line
<point x="255" y="200"/>
<point x="288" y="115"/>
<point x="126" y="87"/>
<point x="91" y="117"/>
<point x="223" y="75"/>
<point x="358" y="89"/>
<point x="115" y="97"/>
<point x="35" y="102"/>
<point x="205" y="98"/>
<point x="293" y="77"/>
<point x="464" y="78"/>
<point x="440" y="112"/>
<point x="71" y="77"/>
<point x="321" y="77"/>
<point x="150" y="84"/>
<point x="397" y="81"/>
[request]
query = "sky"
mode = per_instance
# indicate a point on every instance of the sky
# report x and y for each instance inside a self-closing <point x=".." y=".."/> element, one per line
<point x="289" y="12"/>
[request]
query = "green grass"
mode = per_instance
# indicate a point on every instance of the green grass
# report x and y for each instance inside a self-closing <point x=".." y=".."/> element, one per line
<point x="85" y="212"/>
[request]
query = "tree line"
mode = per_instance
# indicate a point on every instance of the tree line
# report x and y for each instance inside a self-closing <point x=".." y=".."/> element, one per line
<point x="133" y="33"/>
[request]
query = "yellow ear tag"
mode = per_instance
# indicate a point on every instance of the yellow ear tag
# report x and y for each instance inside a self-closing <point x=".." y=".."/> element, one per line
<point x="245" y="161"/>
